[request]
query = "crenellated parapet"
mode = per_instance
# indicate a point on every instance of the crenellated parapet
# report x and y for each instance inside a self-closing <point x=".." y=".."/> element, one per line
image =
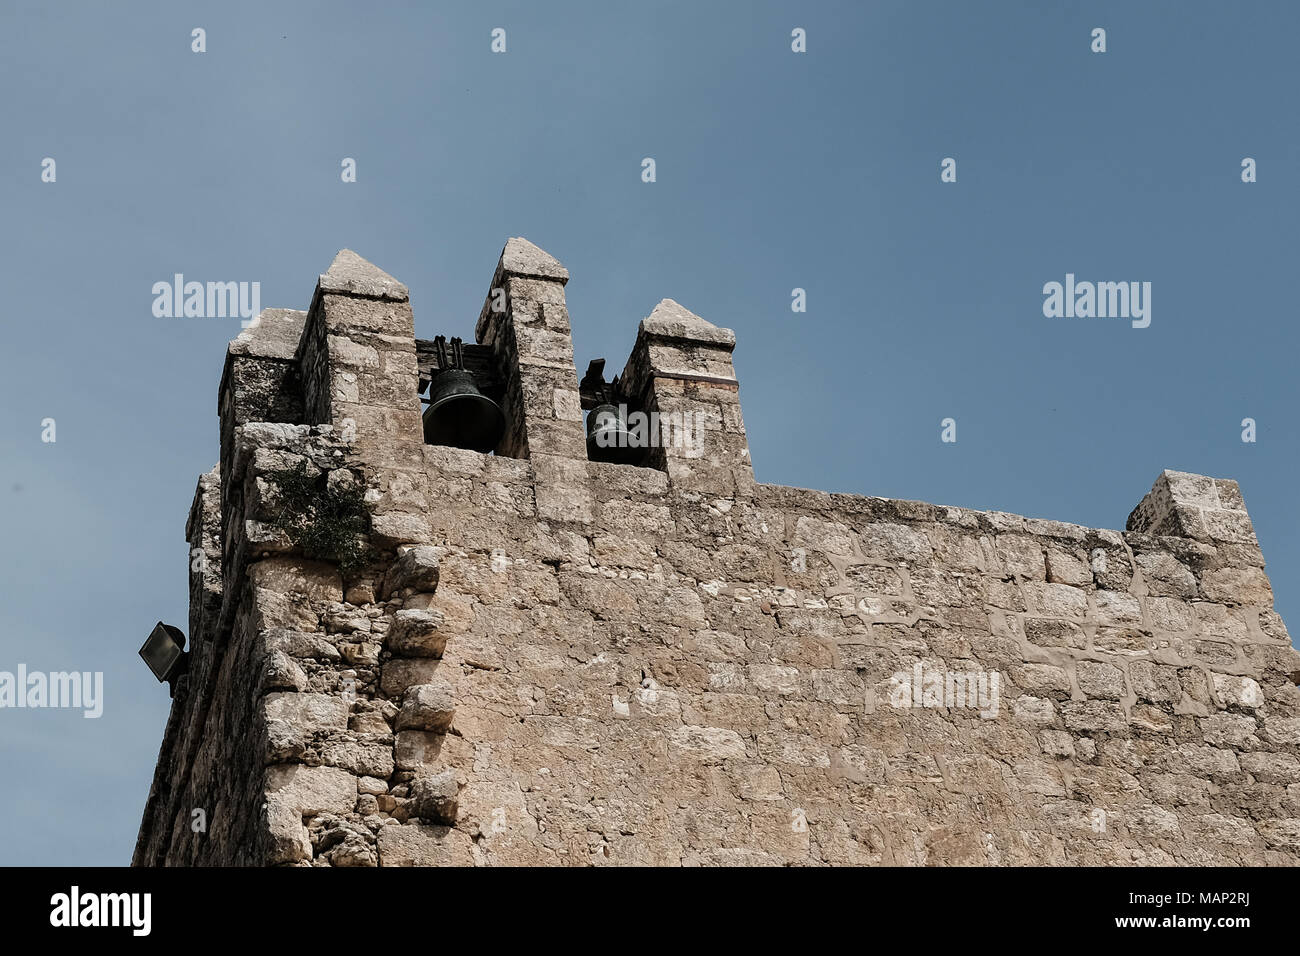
<point x="406" y="652"/>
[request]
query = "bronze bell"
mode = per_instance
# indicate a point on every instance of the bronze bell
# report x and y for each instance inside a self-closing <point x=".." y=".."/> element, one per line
<point x="460" y="415"/>
<point x="608" y="438"/>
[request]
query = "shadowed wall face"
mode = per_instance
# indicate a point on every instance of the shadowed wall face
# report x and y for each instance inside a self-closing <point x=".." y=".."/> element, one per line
<point x="541" y="659"/>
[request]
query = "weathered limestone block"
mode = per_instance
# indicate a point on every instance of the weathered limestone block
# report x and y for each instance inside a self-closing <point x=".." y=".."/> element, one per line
<point x="1098" y="679"/>
<point x="288" y="839"/>
<point x="1271" y="767"/>
<point x="1282" y="730"/>
<point x="1151" y="821"/>
<point x="1207" y="761"/>
<point x="1066" y="568"/>
<point x="1281" y="834"/>
<point x="307" y="712"/>
<point x="313" y="580"/>
<point x="1157" y="683"/>
<point x="417" y="633"/>
<point x="427" y="707"/>
<point x="399" y="673"/>
<point x="1118" y="607"/>
<point x="1034" y="710"/>
<point x="424" y="845"/>
<point x="1232" y="831"/>
<point x="1229" y="730"/>
<point x="1235" y="691"/>
<point x="1041" y="678"/>
<point x="284" y="742"/>
<point x="364" y="758"/>
<point x="1051" y="632"/>
<point x="392" y="529"/>
<point x="433" y="796"/>
<point x="312" y="790"/>
<point x="1057" y="600"/>
<point x="1020" y="556"/>
<point x="1194" y="506"/>
<point x="300" y="645"/>
<point x="415" y="748"/>
<point x="1112" y="568"/>
<point x="1248" y="586"/>
<point x="1123" y="641"/>
<point x="281" y="672"/>
<point x="355" y="849"/>
<point x="416" y="568"/>
<point x="1093" y="715"/>
<point x="1169" y="614"/>
<point x="708" y="743"/>
<point x="1166" y="576"/>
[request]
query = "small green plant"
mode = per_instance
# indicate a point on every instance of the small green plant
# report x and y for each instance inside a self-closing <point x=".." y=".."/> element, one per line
<point x="326" y="521"/>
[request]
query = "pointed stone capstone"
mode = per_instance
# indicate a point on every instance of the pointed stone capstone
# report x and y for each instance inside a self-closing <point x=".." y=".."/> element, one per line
<point x="349" y="274"/>
<point x="520" y="257"/>
<point x="671" y="320"/>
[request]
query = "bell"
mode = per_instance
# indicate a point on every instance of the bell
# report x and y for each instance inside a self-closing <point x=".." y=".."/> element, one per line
<point x="608" y="438"/>
<point x="460" y="415"/>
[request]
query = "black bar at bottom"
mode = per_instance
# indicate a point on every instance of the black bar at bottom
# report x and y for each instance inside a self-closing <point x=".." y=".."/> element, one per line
<point x="394" y="908"/>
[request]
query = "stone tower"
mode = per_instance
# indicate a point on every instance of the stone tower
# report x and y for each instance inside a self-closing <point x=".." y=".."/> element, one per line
<point x="409" y="654"/>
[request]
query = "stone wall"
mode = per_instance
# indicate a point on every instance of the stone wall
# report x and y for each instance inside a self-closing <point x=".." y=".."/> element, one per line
<point x="548" y="660"/>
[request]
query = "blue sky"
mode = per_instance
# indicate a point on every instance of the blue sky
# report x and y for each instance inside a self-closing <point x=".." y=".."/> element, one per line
<point x="775" y="170"/>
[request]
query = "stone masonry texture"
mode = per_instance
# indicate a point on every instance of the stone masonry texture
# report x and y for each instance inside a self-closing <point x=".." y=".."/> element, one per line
<point x="546" y="660"/>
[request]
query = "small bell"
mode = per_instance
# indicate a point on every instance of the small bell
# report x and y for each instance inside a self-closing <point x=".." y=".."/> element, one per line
<point x="460" y="415"/>
<point x="608" y="438"/>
